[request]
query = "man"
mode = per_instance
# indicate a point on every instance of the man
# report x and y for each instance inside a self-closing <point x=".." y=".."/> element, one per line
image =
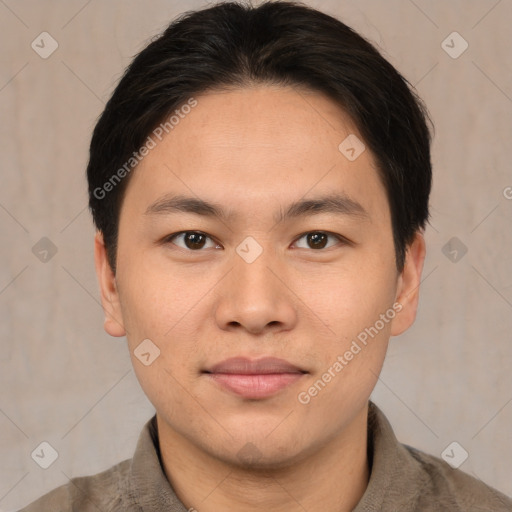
<point x="259" y="181"/>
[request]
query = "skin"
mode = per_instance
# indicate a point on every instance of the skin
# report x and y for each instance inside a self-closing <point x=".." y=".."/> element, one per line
<point x="254" y="151"/>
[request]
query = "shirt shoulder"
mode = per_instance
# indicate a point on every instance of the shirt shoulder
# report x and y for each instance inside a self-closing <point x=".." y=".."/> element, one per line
<point x="132" y="485"/>
<point x="407" y="479"/>
<point x="106" y="491"/>
<point x="452" y="489"/>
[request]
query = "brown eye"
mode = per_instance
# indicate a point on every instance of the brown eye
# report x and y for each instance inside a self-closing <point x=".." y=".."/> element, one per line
<point x="318" y="240"/>
<point x="194" y="240"/>
<point x="191" y="240"/>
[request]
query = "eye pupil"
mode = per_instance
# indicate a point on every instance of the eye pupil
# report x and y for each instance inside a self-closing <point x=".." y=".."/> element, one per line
<point x="319" y="240"/>
<point x="194" y="240"/>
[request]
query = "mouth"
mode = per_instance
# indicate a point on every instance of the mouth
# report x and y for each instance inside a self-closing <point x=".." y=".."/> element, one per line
<point x="254" y="379"/>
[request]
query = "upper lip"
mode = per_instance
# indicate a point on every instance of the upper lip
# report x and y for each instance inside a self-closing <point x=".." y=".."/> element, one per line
<point x="246" y="366"/>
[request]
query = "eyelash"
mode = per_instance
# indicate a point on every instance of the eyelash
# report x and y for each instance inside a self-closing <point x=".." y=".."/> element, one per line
<point x="340" y="238"/>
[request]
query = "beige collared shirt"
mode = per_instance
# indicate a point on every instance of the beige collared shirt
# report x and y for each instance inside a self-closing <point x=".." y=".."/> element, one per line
<point x="402" y="479"/>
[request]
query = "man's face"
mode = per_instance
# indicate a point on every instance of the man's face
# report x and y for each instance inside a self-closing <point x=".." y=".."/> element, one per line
<point x="260" y="282"/>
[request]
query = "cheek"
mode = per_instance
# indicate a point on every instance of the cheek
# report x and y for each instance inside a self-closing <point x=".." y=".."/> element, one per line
<point x="351" y="298"/>
<point x="160" y="338"/>
<point x="351" y="358"/>
<point x="164" y="307"/>
<point x="156" y="299"/>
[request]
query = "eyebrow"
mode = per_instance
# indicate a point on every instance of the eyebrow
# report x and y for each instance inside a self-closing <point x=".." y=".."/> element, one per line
<point x="337" y="204"/>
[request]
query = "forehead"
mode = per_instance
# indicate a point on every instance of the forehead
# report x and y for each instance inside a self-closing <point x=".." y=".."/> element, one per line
<point x="254" y="145"/>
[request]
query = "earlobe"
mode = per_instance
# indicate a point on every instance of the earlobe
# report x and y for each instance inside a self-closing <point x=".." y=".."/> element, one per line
<point x="113" y="324"/>
<point x="408" y="285"/>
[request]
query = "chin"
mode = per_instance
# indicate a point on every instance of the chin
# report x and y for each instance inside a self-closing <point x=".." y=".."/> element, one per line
<point x="260" y="453"/>
<point x="252" y="459"/>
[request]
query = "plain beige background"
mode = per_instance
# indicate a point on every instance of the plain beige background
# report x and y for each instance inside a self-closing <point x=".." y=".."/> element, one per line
<point x="65" y="381"/>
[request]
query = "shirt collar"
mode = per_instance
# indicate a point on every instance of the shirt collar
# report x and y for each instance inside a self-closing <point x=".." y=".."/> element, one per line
<point x="394" y="474"/>
<point x="150" y="488"/>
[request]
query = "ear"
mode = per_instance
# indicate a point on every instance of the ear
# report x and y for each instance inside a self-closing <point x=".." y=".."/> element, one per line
<point x="113" y="324"/>
<point x="409" y="285"/>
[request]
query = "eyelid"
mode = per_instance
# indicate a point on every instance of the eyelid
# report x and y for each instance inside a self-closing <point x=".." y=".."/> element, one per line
<point x="168" y="239"/>
<point x="341" y="239"/>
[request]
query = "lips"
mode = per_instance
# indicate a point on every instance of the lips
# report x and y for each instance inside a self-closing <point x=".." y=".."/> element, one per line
<point x="264" y="366"/>
<point x="254" y="379"/>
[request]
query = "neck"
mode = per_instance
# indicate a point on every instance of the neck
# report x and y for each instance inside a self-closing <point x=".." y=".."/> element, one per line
<point x="334" y="477"/>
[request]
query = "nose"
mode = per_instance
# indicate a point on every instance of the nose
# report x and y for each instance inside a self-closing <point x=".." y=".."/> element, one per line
<point x="254" y="297"/>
